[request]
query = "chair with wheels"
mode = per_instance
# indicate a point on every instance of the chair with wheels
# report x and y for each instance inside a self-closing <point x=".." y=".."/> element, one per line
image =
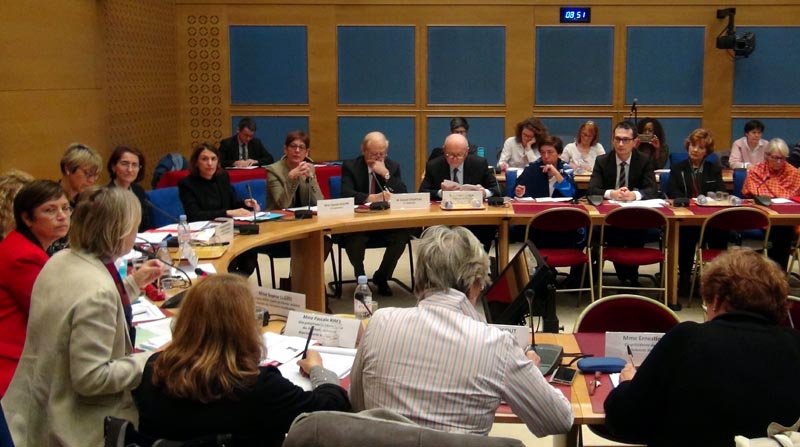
<point x="167" y="206"/>
<point x="737" y="219"/>
<point x="626" y="313"/>
<point x="563" y="225"/>
<point x="335" y="184"/>
<point x="625" y="221"/>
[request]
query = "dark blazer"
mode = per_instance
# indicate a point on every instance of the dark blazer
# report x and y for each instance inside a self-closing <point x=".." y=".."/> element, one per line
<point x="138" y="191"/>
<point x="356" y="179"/>
<point x="640" y="175"/>
<point x="476" y="172"/>
<point x="207" y="199"/>
<point x="704" y="383"/>
<point x="229" y="151"/>
<point x="680" y="179"/>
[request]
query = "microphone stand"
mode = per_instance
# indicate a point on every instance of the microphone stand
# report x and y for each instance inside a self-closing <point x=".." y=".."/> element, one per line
<point x="306" y="213"/>
<point x="250" y="228"/>
<point x="383" y="204"/>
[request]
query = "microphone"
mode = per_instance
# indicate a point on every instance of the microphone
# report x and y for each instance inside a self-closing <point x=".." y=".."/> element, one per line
<point x="529" y="297"/>
<point x="200" y="272"/>
<point x="306" y="213"/>
<point x="252" y="228"/>
<point x="383" y="204"/>
<point x="634" y="105"/>
<point x="161" y="211"/>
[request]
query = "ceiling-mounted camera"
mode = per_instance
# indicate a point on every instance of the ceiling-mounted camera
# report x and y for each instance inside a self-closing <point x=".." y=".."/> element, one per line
<point x="742" y="45"/>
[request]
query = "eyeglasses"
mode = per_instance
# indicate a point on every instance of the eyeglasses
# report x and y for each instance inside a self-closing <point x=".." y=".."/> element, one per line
<point x="623" y="140"/>
<point x="129" y="165"/>
<point x="89" y="174"/>
<point x="298" y="147"/>
<point x="455" y="157"/>
<point x="776" y="158"/>
<point x="52" y="211"/>
<point x="376" y="155"/>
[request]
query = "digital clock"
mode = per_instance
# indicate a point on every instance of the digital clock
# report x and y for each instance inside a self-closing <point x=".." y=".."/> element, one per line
<point x="576" y="15"/>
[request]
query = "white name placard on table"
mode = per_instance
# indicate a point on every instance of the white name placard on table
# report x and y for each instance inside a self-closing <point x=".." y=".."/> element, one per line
<point x="641" y="343"/>
<point x="472" y="199"/>
<point x="279" y="302"/>
<point x="335" y="207"/>
<point x="521" y="333"/>
<point x="330" y="330"/>
<point x="410" y="201"/>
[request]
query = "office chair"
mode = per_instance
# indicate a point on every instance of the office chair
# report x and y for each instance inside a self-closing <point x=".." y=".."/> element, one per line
<point x="737" y="219"/>
<point x="335" y="184"/>
<point x="626" y="313"/>
<point x="565" y="221"/>
<point x="168" y="201"/>
<point x="634" y="219"/>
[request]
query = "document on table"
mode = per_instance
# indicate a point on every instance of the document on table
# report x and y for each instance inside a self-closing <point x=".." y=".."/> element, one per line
<point x="614" y="379"/>
<point x="338" y="360"/>
<point x="261" y="216"/>
<point x="144" y="310"/>
<point x="153" y="334"/>
<point x="651" y="203"/>
<point x="283" y="348"/>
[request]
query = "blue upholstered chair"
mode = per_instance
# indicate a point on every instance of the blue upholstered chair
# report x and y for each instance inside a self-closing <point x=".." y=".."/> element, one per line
<point x="259" y="188"/>
<point x="168" y="206"/>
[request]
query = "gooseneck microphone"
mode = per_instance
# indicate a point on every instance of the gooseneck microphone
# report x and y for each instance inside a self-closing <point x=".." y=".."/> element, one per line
<point x="635" y="111"/>
<point x="306" y="213"/>
<point x="383" y="204"/>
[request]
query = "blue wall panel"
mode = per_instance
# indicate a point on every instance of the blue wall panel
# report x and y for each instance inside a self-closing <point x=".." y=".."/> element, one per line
<point x="677" y="129"/>
<point x="665" y="65"/>
<point x="574" y="65"/>
<point x="376" y="64"/>
<point x="483" y="131"/>
<point x="398" y="130"/>
<point x="770" y="75"/>
<point x="466" y="64"/>
<point x="786" y="128"/>
<point x="272" y="130"/>
<point x="567" y="128"/>
<point x="269" y="65"/>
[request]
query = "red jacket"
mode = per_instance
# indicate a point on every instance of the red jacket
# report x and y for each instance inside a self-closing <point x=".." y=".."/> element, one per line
<point x="22" y="260"/>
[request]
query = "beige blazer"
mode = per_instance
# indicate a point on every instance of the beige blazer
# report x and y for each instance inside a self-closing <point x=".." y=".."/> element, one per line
<point x="281" y="189"/>
<point x="76" y="367"/>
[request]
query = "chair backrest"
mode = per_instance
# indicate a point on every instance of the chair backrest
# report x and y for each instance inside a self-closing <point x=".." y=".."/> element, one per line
<point x="511" y="182"/>
<point x="559" y="219"/>
<point x="626" y="313"/>
<point x="635" y="218"/>
<point x="170" y="162"/>
<point x="5" y="433"/>
<point x="168" y="206"/>
<point x="663" y="179"/>
<point x="335" y="184"/>
<point x="738" y="219"/>
<point x="793" y="315"/>
<point x="739" y="176"/>
<point x="378" y="427"/>
<point x="259" y="188"/>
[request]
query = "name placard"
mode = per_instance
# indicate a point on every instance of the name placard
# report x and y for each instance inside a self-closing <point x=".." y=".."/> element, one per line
<point x="410" y="201"/>
<point x="641" y="344"/>
<point x="461" y="199"/>
<point x="279" y="302"/>
<point x="224" y="229"/>
<point x="330" y="330"/>
<point x="521" y="333"/>
<point x="336" y="207"/>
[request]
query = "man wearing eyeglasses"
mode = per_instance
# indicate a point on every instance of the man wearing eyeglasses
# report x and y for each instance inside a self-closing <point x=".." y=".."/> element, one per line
<point x="458" y="168"/>
<point x="624" y="175"/>
<point x="373" y="177"/>
<point x="243" y="150"/>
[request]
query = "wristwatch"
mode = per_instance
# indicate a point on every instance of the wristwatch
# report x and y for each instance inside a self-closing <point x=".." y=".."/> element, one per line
<point x="386" y="176"/>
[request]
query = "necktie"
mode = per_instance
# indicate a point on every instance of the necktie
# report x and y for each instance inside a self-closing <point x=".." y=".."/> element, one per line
<point x="622" y="182"/>
<point x="373" y="187"/>
<point x="243" y="152"/>
<point x="455" y="175"/>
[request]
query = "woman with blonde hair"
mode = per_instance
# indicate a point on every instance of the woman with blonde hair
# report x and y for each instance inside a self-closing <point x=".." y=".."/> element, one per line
<point x="78" y="365"/>
<point x="208" y="380"/>
<point x="584" y="151"/>
<point x="10" y="184"/>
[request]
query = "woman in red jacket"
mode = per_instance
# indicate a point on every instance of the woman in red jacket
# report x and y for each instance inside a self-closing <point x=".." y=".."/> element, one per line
<point x="42" y="213"/>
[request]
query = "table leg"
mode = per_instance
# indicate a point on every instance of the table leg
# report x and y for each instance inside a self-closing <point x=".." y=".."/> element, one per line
<point x="673" y="234"/>
<point x="502" y="245"/>
<point x="308" y="269"/>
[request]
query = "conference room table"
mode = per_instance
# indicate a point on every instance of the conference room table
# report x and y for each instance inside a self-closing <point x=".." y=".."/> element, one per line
<point x="582" y="180"/>
<point x="307" y="236"/>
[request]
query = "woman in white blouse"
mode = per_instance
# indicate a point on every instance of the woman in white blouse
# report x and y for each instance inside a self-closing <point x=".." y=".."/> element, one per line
<point x="582" y="153"/>
<point x="523" y="148"/>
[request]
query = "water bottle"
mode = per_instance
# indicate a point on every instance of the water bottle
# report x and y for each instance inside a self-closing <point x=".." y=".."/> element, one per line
<point x="122" y="267"/>
<point x="185" y="242"/>
<point x="162" y="254"/>
<point x="481" y="152"/>
<point x="362" y="298"/>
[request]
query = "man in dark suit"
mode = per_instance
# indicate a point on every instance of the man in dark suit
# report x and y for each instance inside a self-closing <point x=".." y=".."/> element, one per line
<point x="372" y="177"/>
<point x="457" y="125"/>
<point x="243" y="150"/>
<point x="461" y="168"/>
<point x="624" y="174"/>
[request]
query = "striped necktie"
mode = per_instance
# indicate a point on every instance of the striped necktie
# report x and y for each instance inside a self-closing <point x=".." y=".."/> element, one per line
<point x="622" y="182"/>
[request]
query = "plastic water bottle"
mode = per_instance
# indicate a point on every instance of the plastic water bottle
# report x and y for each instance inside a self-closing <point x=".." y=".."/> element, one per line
<point x="162" y="254"/>
<point x="362" y="297"/>
<point x="122" y="267"/>
<point x="185" y="242"/>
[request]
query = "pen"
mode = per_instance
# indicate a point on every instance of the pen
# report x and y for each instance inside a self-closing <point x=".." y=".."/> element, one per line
<point x="308" y="340"/>
<point x="630" y="355"/>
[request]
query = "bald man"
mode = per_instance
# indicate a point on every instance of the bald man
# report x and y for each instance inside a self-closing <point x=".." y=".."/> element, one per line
<point x="460" y="167"/>
<point x="373" y="177"/>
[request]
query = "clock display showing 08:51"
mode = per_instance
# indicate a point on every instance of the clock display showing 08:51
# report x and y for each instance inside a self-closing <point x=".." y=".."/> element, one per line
<point x="576" y="15"/>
